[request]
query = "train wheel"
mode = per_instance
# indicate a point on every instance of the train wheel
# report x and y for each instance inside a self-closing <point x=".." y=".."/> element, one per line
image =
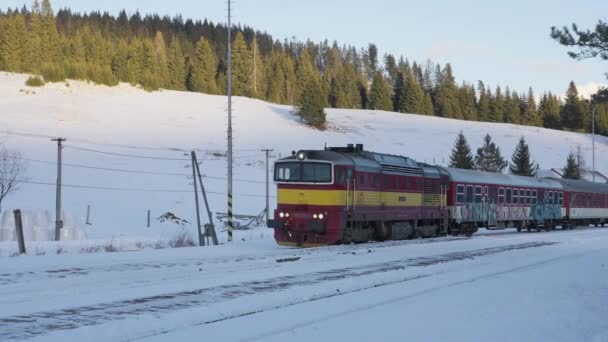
<point x="519" y="229"/>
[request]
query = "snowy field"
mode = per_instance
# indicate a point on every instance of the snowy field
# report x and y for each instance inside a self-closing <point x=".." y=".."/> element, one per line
<point x="145" y="139"/>
<point x="499" y="286"/>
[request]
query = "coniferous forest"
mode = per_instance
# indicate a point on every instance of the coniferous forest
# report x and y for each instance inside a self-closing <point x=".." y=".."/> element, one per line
<point x="182" y="54"/>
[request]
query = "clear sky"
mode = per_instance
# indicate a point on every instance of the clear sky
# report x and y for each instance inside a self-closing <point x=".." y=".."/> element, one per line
<point x="499" y="42"/>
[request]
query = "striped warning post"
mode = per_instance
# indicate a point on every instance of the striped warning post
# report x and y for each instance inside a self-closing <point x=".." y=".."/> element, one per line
<point x="230" y="224"/>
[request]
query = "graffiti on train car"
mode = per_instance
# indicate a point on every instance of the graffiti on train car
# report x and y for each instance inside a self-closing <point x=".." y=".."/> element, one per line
<point x="492" y="212"/>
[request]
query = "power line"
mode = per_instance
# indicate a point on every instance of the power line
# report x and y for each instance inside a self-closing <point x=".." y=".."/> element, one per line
<point x="132" y="171"/>
<point x="123" y="155"/>
<point x="124" y="189"/>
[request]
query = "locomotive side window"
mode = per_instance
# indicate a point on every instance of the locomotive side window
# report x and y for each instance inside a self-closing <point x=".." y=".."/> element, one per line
<point x="501" y="195"/>
<point x="508" y="196"/>
<point x="469" y="193"/>
<point x="533" y="196"/>
<point x="515" y="196"/>
<point x="460" y="193"/>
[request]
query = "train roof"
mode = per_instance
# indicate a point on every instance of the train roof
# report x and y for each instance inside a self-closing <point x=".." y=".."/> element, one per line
<point x="582" y="185"/>
<point x="481" y="177"/>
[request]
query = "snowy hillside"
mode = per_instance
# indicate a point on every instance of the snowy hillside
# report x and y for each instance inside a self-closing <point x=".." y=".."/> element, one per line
<point x="165" y="125"/>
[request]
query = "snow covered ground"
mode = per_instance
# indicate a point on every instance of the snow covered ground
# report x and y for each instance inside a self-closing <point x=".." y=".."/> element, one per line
<point x="163" y="127"/>
<point x="500" y="286"/>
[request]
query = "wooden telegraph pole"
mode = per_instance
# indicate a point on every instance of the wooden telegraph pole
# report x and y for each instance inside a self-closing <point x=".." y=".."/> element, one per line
<point x="267" y="210"/>
<point x="58" y="221"/>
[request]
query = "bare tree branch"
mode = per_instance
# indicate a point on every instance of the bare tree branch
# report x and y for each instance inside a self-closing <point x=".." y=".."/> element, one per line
<point x="11" y="167"/>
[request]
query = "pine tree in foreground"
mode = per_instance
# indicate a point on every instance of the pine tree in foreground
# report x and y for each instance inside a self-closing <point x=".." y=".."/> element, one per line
<point x="520" y="162"/>
<point x="461" y="157"/>
<point x="572" y="170"/>
<point x="489" y="158"/>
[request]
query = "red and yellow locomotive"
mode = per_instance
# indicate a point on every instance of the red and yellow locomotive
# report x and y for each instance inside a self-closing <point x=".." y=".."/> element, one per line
<point x="346" y="194"/>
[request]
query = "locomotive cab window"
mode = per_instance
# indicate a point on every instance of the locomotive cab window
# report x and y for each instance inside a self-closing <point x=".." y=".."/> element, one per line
<point x="303" y="172"/>
<point x="460" y="193"/>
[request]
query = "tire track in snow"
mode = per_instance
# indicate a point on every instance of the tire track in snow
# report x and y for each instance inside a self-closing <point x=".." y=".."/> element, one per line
<point x="36" y="324"/>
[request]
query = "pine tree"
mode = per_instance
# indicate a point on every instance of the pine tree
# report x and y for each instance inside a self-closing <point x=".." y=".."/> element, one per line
<point x="242" y="67"/>
<point x="483" y="106"/>
<point x="530" y="116"/>
<point x="549" y="109"/>
<point x="428" y="105"/>
<point x="461" y="156"/>
<point x="512" y="108"/>
<point x="162" y="59"/>
<point x="399" y="92"/>
<point x="201" y="75"/>
<point x="572" y="169"/>
<point x="497" y="107"/>
<point x="175" y="66"/>
<point x="413" y="101"/>
<point x="258" y="76"/>
<point x="489" y="158"/>
<point x="446" y="100"/>
<point x="520" y="162"/>
<point x="311" y="103"/>
<point x="380" y="94"/>
<point x="572" y="111"/>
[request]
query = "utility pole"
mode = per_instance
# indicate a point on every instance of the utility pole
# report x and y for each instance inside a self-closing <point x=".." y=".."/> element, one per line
<point x="211" y="227"/>
<point x="593" y="141"/>
<point x="229" y="92"/>
<point x="267" y="185"/>
<point x="201" y="240"/>
<point x="58" y="221"/>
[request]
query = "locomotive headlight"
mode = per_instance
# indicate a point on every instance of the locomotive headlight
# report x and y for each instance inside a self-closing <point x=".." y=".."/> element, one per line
<point x="281" y="214"/>
<point x="314" y="216"/>
<point x="301" y="156"/>
<point x="286" y="214"/>
<point x="321" y="216"/>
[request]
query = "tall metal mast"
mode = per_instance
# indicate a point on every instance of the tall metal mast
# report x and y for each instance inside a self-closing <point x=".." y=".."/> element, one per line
<point x="230" y="218"/>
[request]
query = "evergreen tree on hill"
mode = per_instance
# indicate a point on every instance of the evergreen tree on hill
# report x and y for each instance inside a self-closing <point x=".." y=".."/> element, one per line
<point x="175" y="66"/>
<point x="380" y="94"/>
<point x="520" y="162"/>
<point x="461" y="157"/>
<point x="201" y="75"/>
<point x="489" y="158"/>
<point x="399" y="93"/>
<point x="242" y="67"/>
<point x="530" y="116"/>
<point x="549" y="110"/>
<point x="311" y="104"/>
<point x="572" y="111"/>
<point x="572" y="170"/>
<point x="413" y="101"/>
<point x="483" y="105"/>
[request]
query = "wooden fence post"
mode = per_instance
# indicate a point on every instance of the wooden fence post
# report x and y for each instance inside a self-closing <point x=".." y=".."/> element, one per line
<point x="148" y="219"/>
<point x="19" y="228"/>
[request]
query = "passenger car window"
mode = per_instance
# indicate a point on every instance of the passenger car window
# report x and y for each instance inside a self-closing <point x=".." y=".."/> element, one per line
<point x="460" y="193"/>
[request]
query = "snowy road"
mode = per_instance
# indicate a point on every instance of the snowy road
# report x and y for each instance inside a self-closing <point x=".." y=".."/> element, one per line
<point x="553" y="286"/>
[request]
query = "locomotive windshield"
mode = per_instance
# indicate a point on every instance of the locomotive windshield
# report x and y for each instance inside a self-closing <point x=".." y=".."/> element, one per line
<point x="303" y="172"/>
